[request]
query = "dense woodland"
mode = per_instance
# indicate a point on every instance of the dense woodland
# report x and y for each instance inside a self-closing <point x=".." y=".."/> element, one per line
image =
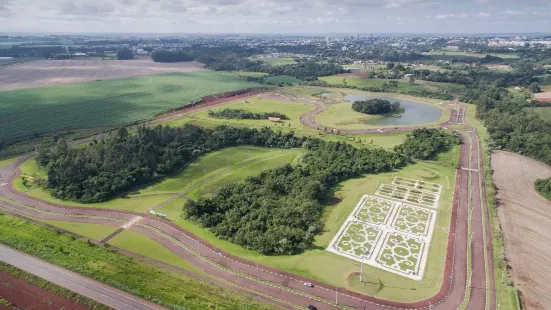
<point x="243" y="114"/>
<point x="107" y="168"/>
<point x="543" y="186"/>
<point x="509" y="126"/>
<point x="376" y="106"/>
<point x="279" y="211"/>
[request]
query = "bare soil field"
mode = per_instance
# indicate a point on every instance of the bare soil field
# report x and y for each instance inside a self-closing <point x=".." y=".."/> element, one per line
<point x="543" y="97"/>
<point x="525" y="218"/>
<point x="22" y="295"/>
<point x="42" y="73"/>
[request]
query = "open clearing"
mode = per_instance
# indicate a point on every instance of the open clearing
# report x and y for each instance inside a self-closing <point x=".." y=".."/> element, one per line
<point x="106" y="103"/>
<point x="42" y="73"/>
<point x="542" y="112"/>
<point x="525" y="217"/>
<point x="275" y="61"/>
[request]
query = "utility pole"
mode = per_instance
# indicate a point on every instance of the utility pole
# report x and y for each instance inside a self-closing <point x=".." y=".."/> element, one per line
<point x="337" y="295"/>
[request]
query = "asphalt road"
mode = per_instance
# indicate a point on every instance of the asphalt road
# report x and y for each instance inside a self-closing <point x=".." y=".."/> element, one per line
<point x="75" y="282"/>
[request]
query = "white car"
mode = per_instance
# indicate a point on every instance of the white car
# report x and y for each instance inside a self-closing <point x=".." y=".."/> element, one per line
<point x="308" y="284"/>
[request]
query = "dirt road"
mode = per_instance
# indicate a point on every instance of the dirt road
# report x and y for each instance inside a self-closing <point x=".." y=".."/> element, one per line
<point x="288" y="286"/>
<point x="525" y="217"/>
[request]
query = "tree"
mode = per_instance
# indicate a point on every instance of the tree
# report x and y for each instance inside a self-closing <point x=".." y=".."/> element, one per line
<point x="534" y="88"/>
<point x="124" y="54"/>
<point x="390" y="65"/>
<point x="411" y="79"/>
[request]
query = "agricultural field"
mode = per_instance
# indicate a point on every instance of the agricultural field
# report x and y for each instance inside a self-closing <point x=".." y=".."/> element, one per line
<point x="542" y="112"/>
<point x="522" y="214"/>
<point x="459" y="54"/>
<point x="41" y="73"/>
<point x="106" y="103"/>
<point x="275" y="61"/>
<point x="388" y="235"/>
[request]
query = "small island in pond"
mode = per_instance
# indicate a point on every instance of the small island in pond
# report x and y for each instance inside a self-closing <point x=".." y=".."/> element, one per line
<point x="378" y="106"/>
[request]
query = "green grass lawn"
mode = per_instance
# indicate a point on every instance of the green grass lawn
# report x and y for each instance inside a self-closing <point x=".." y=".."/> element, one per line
<point x="293" y="109"/>
<point x="94" y="231"/>
<point x="342" y="116"/>
<point x="138" y="243"/>
<point x="7" y="161"/>
<point x="282" y="79"/>
<point x="314" y="263"/>
<point x="148" y="197"/>
<point x="146" y="280"/>
<point x="106" y="103"/>
<point x="542" y="112"/>
<point x="275" y="61"/>
<point x="248" y="73"/>
<point x="206" y="166"/>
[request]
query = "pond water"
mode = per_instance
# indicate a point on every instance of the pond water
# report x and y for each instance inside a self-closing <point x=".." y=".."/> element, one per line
<point x="415" y="113"/>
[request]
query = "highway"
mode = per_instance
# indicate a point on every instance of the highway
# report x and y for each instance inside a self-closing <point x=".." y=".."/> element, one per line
<point x="75" y="282"/>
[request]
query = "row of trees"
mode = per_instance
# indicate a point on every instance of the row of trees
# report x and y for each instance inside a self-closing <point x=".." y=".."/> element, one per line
<point x="243" y="114"/>
<point x="376" y="106"/>
<point x="543" y="186"/>
<point x="110" y="167"/>
<point x="279" y="211"/>
<point x="171" y="56"/>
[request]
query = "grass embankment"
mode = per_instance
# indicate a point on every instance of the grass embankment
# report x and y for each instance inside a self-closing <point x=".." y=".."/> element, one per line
<point x="506" y="294"/>
<point x="7" y="161"/>
<point x="93" y="231"/>
<point x="146" y="280"/>
<point x="50" y="287"/>
<point x="313" y="263"/>
<point x="106" y="103"/>
<point x="293" y="109"/>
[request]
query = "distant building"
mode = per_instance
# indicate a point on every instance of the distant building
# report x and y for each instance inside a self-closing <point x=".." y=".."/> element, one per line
<point x="352" y="69"/>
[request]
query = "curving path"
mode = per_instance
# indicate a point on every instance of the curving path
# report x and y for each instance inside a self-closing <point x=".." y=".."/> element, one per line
<point x="457" y="284"/>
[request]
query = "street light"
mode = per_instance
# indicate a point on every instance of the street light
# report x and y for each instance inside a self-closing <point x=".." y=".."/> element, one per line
<point x="362" y="265"/>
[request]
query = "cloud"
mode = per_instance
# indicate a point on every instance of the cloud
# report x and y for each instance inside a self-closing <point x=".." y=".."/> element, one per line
<point x="512" y="12"/>
<point x="85" y="8"/>
<point x="482" y="14"/>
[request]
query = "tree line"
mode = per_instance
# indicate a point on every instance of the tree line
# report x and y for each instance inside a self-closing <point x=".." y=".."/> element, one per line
<point x="279" y="211"/>
<point x="107" y="168"/>
<point x="543" y="186"/>
<point x="243" y="114"/>
<point x="376" y="106"/>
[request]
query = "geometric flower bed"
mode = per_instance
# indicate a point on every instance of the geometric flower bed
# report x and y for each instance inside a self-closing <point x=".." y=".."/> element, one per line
<point x="411" y="191"/>
<point x="387" y="234"/>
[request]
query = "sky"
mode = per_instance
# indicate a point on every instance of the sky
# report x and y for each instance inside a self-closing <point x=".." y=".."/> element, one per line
<point x="276" y="16"/>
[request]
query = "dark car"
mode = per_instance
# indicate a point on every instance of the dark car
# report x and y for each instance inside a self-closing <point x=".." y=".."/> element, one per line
<point x="312" y="307"/>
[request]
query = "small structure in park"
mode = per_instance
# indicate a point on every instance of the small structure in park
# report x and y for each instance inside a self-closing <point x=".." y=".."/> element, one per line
<point x="162" y="215"/>
<point x="274" y="119"/>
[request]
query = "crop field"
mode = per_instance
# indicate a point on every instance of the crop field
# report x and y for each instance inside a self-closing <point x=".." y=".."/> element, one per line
<point x="275" y="61"/>
<point x="106" y="103"/>
<point x="40" y="73"/>
<point x="458" y="54"/>
<point x="388" y="235"/>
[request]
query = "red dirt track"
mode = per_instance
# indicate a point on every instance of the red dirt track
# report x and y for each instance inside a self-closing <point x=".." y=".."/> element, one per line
<point x="23" y="295"/>
<point x="209" y="259"/>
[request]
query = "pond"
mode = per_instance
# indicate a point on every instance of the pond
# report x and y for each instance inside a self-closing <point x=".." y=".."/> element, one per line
<point x="415" y="113"/>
